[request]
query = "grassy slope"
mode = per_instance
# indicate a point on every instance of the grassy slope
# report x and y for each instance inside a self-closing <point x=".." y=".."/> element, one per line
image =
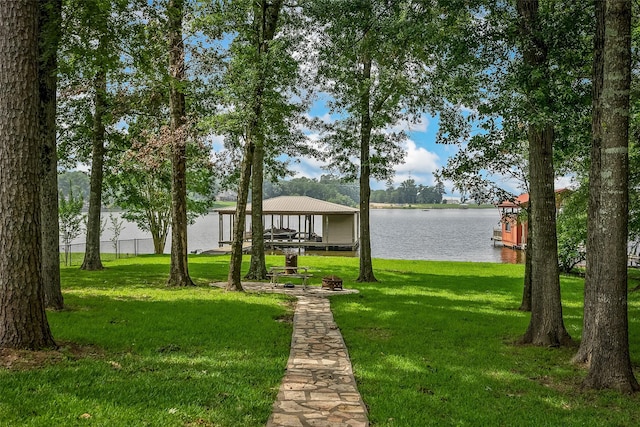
<point x="431" y="344"/>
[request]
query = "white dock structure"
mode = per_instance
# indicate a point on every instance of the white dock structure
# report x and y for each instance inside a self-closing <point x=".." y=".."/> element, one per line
<point x="298" y="222"/>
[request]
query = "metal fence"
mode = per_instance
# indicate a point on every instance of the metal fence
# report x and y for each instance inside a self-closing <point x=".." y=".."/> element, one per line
<point x="73" y="254"/>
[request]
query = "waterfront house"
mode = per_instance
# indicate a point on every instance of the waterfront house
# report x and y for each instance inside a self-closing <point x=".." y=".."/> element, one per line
<point x="514" y="225"/>
<point x="298" y="222"/>
<point x="514" y="220"/>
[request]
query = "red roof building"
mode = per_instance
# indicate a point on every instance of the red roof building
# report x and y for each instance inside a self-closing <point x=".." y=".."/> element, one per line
<point x="514" y="224"/>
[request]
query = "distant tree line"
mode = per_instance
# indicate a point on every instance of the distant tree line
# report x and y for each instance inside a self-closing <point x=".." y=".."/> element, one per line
<point x="409" y="192"/>
<point x="328" y="188"/>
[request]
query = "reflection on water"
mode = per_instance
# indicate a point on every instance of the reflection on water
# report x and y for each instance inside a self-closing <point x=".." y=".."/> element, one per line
<point x="512" y="256"/>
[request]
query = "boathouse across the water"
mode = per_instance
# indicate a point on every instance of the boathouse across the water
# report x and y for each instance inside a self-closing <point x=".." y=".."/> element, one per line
<point x="298" y="222"/>
<point x="514" y="228"/>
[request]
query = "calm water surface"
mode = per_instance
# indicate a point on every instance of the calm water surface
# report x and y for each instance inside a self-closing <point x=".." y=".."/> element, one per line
<point x="436" y="234"/>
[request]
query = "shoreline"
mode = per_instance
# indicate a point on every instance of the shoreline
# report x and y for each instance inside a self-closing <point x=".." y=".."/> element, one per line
<point x="428" y="206"/>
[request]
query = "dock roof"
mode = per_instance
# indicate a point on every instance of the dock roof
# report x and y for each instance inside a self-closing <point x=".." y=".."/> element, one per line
<point x="521" y="200"/>
<point x="297" y="205"/>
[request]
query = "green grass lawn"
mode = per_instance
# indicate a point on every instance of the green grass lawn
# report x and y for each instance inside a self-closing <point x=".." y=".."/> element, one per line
<point x="143" y="354"/>
<point x="432" y="344"/>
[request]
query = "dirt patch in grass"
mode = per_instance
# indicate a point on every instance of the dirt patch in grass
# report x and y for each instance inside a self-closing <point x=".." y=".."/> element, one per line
<point x="287" y="317"/>
<point x="22" y="360"/>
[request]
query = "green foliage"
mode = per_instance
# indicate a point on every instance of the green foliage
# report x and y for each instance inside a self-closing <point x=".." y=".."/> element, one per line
<point x="572" y="229"/>
<point x="95" y="34"/>
<point x="364" y="62"/>
<point x="141" y="185"/>
<point x="262" y="90"/>
<point x="328" y="187"/>
<point x="76" y="180"/>
<point x="409" y="192"/>
<point x="511" y="96"/>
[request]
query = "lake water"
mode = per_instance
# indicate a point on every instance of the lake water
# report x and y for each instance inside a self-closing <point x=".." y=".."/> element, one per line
<point x="436" y="234"/>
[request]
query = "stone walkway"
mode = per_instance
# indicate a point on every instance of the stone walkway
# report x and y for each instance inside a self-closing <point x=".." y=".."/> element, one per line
<point x="319" y="388"/>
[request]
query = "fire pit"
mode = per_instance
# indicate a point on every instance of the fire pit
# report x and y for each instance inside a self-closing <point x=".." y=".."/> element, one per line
<point x="332" y="282"/>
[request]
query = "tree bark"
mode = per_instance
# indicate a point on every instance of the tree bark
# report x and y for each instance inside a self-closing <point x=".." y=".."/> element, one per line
<point x="366" y="265"/>
<point x="546" y="326"/>
<point x="525" y="305"/>
<point x="49" y="37"/>
<point x="239" y="222"/>
<point x="179" y="270"/>
<point x="23" y="321"/>
<point x="92" y="259"/>
<point x="594" y="233"/>
<point x="610" y="365"/>
<point x="257" y="266"/>
<point x="159" y="231"/>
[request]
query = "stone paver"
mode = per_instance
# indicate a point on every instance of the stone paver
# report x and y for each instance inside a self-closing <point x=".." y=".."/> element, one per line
<point x="319" y="389"/>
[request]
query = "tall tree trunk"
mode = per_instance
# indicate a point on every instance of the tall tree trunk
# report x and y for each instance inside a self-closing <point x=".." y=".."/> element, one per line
<point x="239" y="222"/>
<point x="593" y="273"/>
<point x="546" y="326"/>
<point x="23" y="321"/>
<point x="610" y="361"/>
<point x="179" y="270"/>
<point x="525" y="305"/>
<point x="265" y="23"/>
<point x="49" y="37"/>
<point x="366" y="265"/>
<point x="257" y="267"/>
<point x="92" y="250"/>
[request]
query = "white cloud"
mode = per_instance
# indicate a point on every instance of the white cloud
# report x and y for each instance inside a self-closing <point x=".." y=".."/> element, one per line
<point x="567" y="181"/>
<point x="418" y="160"/>
<point x="307" y="168"/>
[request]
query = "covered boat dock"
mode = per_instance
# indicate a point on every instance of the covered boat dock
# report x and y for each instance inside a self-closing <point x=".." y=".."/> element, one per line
<point x="298" y="222"/>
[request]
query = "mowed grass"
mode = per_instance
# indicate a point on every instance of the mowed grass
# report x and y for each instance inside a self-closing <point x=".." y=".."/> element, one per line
<point x="433" y="343"/>
<point x="135" y="353"/>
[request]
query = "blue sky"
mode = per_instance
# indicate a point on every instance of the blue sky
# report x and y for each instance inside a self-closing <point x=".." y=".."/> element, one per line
<point x="423" y="157"/>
